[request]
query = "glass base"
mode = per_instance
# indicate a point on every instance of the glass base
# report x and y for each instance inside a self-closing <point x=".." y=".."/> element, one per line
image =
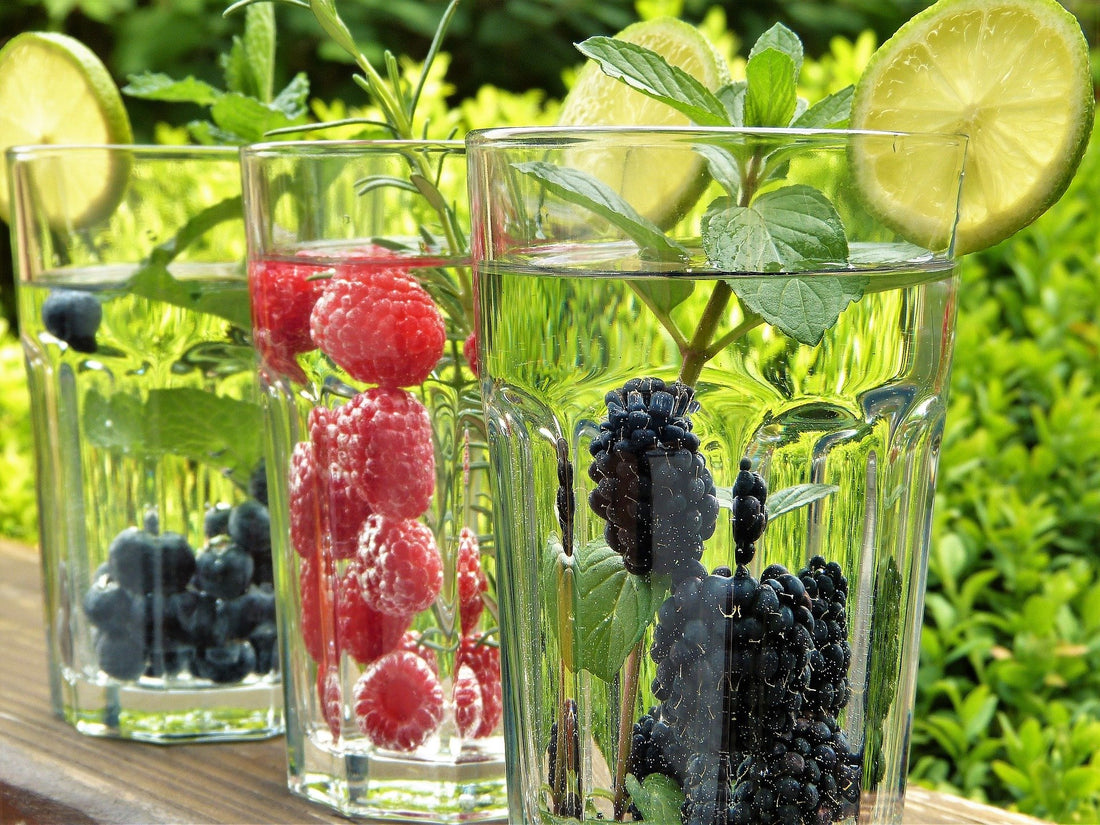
<point x="151" y="711"/>
<point x="371" y="785"/>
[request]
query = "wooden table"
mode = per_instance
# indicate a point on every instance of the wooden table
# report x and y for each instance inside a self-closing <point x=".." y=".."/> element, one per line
<point x="50" y="775"/>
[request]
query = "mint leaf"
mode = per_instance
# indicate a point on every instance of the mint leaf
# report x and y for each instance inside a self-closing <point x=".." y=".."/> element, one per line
<point x="216" y="430"/>
<point x="658" y="797"/>
<point x="790" y="228"/>
<point x="723" y="167"/>
<point x="785" y="500"/>
<point x="664" y="294"/>
<point x="831" y="112"/>
<point x="155" y="282"/>
<point x="649" y="73"/>
<point x="293" y="100"/>
<point x="247" y="117"/>
<point x="782" y="39"/>
<point x="593" y="194"/>
<point x="732" y="96"/>
<point x="155" y="86"/>
<point x="772" y="95"/>
<point x="610" y="609"/>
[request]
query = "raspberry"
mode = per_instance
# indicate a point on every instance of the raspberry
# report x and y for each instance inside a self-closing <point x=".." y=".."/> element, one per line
<point x="403" y="571"/>
<point x="304" y="502"/>
<point x="398" y="702"/>
<point x="484" y="661"/>
<point x="469" y="349"/>
<point x="379" y="325"/>
<point x="362" y="632"/>
<point x="469" y="706"/>
<point x="330" y="699"/>
<point x="384" y="446"/>
<point x="314" y="587"/>
<point x="414" y="643"/>
<point x="471" y="580"/>
<point x="340" y="509"/>
<point x="283" y="299"/>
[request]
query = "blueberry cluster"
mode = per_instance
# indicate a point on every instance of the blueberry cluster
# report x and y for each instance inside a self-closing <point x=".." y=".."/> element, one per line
<point x="653" y="487"/>
<point x="159" y="608"/>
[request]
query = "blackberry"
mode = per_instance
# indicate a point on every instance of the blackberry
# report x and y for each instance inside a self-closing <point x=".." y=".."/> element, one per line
<point x="829" y="688"/>
<point x="73" y="316"/>
<point x="811" y="777"/>
<point x="653" y="487"/>
<point x="749" y="515"/>
<point x="647" y="746"/>
<point x="571" y="761"/>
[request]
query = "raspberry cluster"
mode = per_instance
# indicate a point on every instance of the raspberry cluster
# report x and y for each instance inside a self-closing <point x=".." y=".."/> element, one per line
<point x="653" y="487"/>
<point x="358" y="488"/>
<point x="161" y="610"/>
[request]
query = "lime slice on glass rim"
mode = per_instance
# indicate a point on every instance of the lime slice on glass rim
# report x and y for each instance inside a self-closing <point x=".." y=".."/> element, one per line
<point x="659" y="185"/>
<point x="55" y="90"/>
<point x="1013" y="76"/>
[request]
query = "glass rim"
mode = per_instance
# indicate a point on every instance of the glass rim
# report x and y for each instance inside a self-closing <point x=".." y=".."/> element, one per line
<point x="359" y="146"/>
<point x="33" y="151"/>
<point x="519" y="136"/>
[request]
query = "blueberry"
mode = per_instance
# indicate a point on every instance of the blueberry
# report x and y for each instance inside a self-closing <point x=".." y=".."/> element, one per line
<point x="263" y="640"/>
<point x="112" y="608"/>
<point x="74" y="317"/>
<point x="121" y="655"/>
<point x="168" y="661"/>
<point x="250" y="527"/>
<point x="176" y="561"/>
<point x="216" y="521"/>
<point x="223" y="573"/>
<point x="230" y="662"/>
<point x="257" y="483"/>
<point x="199" y="617"/>
<point x="128" y="558"/>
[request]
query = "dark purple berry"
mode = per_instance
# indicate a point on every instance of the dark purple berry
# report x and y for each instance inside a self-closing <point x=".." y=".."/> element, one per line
<point x="223" y="573"/>
<point x="73" y="317"/>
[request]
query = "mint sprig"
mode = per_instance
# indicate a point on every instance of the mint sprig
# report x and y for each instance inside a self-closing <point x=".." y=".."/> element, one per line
<point x="762" y="224"/>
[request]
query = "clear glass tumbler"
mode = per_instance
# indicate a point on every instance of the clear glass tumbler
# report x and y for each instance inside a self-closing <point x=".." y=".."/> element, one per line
<point x="363" y="308"/>
<point x="715" y="384"/>
<point x="134" y="317"/>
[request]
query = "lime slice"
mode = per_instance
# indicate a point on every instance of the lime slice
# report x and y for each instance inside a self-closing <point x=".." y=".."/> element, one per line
<point x="599" y="100"/>
<point x="1012" y="75"/>
<point x="53" y="89"/>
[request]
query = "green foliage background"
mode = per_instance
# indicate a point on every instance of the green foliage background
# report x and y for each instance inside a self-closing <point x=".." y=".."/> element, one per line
<point x="1008" y="704"/>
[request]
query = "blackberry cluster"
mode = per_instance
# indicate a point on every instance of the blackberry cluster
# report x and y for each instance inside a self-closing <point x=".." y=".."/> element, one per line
<point x="750" y="516"/>
<point x="159" y="609"/>
<point x="653" y="487"/>
<point x="808" y="778"/>
<point x="827" y="588"/>
<point x="573" y="759"/>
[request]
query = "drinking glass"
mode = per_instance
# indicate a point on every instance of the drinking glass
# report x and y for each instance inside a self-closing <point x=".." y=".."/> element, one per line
<point x="362" y="302"/>
<point x="715" y="381"/>
<point x="134" y="318"/>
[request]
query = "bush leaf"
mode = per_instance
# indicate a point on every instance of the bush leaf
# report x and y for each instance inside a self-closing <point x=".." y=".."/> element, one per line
<point x="658" y="797"/>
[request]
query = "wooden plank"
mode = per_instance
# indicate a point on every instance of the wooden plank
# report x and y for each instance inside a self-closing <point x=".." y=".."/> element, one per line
<point x="51" y="775"/>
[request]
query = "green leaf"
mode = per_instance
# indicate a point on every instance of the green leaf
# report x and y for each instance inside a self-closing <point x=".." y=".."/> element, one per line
<point x="216" y="430"/>
<point x="155" y="86"/>
<point x="293" y="100"/>
<point x="247" y="117"/>
<point x="593" y="194"/>
<point x="772" y="96"/>
<point x="664" y="294"/>
<point x="831" y="112"/>
<point x="782" y="39"/>
<point x="334" y="26"/>
<point x="646" y="71"/>
<point x="724" y="167"/>
<point x="732" y="96"/>
<point x="658" y="797"/>
<point x="612" y="608"/>
<point x="154" y="281"/>
<point x="801" y="308"/>
<point x="789" y="229"/>
<point x="259" y="50"/>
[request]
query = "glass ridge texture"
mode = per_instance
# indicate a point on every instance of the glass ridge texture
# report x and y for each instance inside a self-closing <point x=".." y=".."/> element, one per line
<point x="714" y="431"/>
<point x="362" y="301"/>
<point x="133" y="314"/>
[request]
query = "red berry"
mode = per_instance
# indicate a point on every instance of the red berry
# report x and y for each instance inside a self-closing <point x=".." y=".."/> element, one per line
<point x="469" y="706"/>
<point x="379" y="325"/>
<point x="384" y="446"/>
<point x="340" y="510"/>
<point x="364" y="633"/>
<point x="402" y="567"/>
<point x="329" y="696"/>
<point x="315" y="603"/>
<point x="469" y="349"/>
<point x="304" y="502"/>
<point x="283" y="297"/>
<point x="398" y="702"/>
<point x="471" y="580"/>
<point x="484" y="661"/>
<point x="414" y="643"/>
